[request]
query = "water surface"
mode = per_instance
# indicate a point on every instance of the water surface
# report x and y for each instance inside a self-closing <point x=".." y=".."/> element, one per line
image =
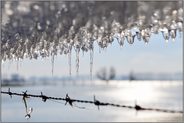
<point x="152" y="94"/>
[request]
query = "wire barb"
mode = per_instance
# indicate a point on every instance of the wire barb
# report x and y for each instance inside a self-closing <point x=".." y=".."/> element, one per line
<point x="138" y="107"/>
<point x="44" y="98"/>
<point x="25" y="94"/>
<point x="9" y="92"/>
<point x="68" y="100"/>
<point x="98" y="103"/>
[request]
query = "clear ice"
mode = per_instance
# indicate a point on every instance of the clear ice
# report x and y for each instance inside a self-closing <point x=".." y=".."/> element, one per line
<point x="52" y="62"/>
<point x="77" y="62"/>
<point x="46" y="29"/>
<point x="69" y="63"/>
<point x="91" y="63"/>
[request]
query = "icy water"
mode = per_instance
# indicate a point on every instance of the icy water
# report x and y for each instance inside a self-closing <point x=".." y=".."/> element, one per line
<point x="152" y="94"/>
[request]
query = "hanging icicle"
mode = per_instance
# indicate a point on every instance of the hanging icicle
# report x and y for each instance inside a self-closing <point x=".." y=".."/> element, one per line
<point x="69" y="62"/>
<point x="77" y="61"/>
<point x="91" y="63"/>
<point x="52" y="62"/>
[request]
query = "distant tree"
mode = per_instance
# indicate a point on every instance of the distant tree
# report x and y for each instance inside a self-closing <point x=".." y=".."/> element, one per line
<point x="102" y="74"/>
<point x="131" y="76"/>
<point x="112" y="73"/>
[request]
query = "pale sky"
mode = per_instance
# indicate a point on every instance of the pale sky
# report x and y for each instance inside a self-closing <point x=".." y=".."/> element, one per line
<point x="155" y="57"/>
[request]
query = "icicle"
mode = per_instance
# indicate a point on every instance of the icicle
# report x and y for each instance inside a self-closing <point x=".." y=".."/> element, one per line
<point x="69" y="62"/>
<point x="173" y="35"/>
<point x="17" y="64"/>
<point x="9" y="64"/>
<point x="20" y="64"/>
<point x="165" y="33"/>
<point x="173" y="30"/>
<point x="91" y="63"/>
<point x="138" y="34"/>
<point x="77" y="61"/>
<point x="130" y="37"/>
<point x="83" y="53"/>
<point x="121" y="38"/>
<point x="166" y="40"/>
<point x="180" y="27"/>
<point x="146" y="39"/>
<point x="181" y="34"/>
<point x="52" y="61"/>
<point x="99" y="49"/>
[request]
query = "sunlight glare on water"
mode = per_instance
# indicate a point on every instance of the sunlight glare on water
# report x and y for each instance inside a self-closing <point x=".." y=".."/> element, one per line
<point x="139" y="92"/>
<point x="150" y="94"/>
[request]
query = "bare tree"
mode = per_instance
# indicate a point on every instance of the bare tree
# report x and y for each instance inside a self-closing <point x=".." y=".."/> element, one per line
<point x="112" y="73"/>
<point x="102" y="74"/>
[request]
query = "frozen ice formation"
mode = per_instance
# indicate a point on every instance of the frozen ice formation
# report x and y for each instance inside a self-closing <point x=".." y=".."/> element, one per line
<point x="34" y="29"/>
<point x="42" y="29"/>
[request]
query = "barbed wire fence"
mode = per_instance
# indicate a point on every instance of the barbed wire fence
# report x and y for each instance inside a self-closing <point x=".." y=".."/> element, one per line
<point x="70" y="101"/>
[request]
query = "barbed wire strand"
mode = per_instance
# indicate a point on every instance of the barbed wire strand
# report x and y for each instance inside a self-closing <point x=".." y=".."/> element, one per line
<point x="96" y="102"/>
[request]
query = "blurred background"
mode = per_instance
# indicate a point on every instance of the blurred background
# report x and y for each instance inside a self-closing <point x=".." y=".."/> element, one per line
<point x="149" y="74"/>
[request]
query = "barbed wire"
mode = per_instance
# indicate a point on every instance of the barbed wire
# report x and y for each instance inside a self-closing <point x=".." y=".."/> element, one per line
<point x="70" y="101"/>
